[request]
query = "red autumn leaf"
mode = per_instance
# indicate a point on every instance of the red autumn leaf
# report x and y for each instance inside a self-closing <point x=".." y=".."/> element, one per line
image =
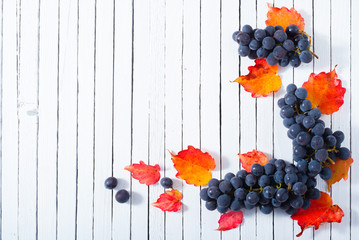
<point x="261" y="80"/>
<point x="320" y="211"/>
<point x="284" y="17"/>
<point x="146" y="174"/>
<point x="194" y="166"/>
<point x="230" y="220"/>
<point x="249" y="158"/>
<point x="325" y="91"/>
<point x="169" y="201"/>
<point x="340" y="171"/>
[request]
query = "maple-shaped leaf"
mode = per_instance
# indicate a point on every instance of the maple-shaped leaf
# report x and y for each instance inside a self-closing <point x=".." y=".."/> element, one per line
<point x="284" y="17"/>
<point x="194" y="166"/>
<point x="320" y="211"/>
<point x="325" y="91"/>
<point x="340" y="170"/>
<point x="230" y="220"/>
<point x="249" y="158"/>
<point x="146" y="174"/>
<point x="169" y="201"/>
<point x="261" y="80"/>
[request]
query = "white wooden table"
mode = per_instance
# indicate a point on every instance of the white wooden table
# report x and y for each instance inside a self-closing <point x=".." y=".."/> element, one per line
<point x="90" y="86"/>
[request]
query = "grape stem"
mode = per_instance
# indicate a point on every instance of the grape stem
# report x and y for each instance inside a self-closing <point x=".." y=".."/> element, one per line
<point x="331" y="160"/>
<point x="332" y="149"/>
<point x="310" y="42"/>
<point x="296" y="109"/>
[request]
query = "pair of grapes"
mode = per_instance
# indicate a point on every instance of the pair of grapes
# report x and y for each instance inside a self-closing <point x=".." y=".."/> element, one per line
<point x="276" y="45"/>
<point x="123" y="195"/>
<point x="315" y="147"/>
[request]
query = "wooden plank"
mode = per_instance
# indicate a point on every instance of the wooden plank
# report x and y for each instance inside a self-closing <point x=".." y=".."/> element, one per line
<point x="321" y="44"/>
<point x="140" y="117"/>
<point x="48" y="95"/>
<point x="156" y="117"/>
<point x="1" y="60"/>
<point x="103" y="118"/>
<point x="354" y="146"/>
<point x="173" y="106"/>
<point x="191" y="111"/>
<point x="67" y="117"/>
<point x="210" y="101"/>
<point x="301" y="75"/>
<point x="340" y="22"/>
<point x="283" y="226"/>
<point x="85" y="108"/>
<point x="229" y="96"/>
<point x="10" y="153"/>
<point x="28" y="119"/>
<point x="265" y="121"/>
<point x="248" y="121"/>
<point x="122" y="110"/>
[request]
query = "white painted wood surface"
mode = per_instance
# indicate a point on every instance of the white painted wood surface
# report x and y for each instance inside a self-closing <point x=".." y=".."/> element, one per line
<point x="91" y="86"/>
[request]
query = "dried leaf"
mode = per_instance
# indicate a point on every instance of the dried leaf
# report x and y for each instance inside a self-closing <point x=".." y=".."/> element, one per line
<point x="261" y="80"/>
<point x="325" y="91"/>
<point x="230" y="220"/>
<point x="249" y="158"/>
<point x="146" y="174"/>
<point x="169" y="201"/>
<point x="284" y="17"/>
<point x="340" y="171"/>
<point x="320" y="211"/>
<point x="194" y="166"/>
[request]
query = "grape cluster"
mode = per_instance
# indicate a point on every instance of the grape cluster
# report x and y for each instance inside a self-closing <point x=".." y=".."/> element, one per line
<point x="276" y="45"/>
<point x="279" y="183"/>
<point x="315" y="147"/>
<point x="276" y="184"/>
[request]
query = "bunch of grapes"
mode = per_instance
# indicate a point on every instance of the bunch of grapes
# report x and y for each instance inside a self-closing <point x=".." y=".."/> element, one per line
<point x="276" y="45"/>
<point x="277" y="184"/>
<point x="314" y="145"/>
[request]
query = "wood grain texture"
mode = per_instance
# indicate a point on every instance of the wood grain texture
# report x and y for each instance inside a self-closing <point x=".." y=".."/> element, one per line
<point x="89" y="87"/>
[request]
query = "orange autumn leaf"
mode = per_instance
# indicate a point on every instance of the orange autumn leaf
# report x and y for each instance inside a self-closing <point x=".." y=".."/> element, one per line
<point x="249" y="158"/>
<point x="261" y="80"/>
<point x="230" y="220"/>
<point x="325" y="91"/>
<point x="194" y="166"/>
<point x="340" y="171"/>
<point x="146" y="174"/>
<point x="284" y="17"/>
<point x="320" y="211"/>
<point x="169" y="201"/>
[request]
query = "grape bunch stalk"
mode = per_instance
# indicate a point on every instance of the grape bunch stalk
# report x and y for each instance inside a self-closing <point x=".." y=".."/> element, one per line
<point x="276" y="45"/>
<point x="281" y="184"/>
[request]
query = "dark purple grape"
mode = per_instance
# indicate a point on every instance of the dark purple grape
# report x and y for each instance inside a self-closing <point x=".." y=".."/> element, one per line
<point x="326" y="173"/>
<point x="292" y="30"/>
<point x="252" y="198"/>
<point x="122" y="196"/>
<point x="111" y="183"/>
<point x="247" y="29"/>
<point x="211" y="205"/>
<point x="224" y="200"/>
<point x="203" y="194"/>
<point x="213" y="182"/>
<point x="166" y="182"/>
<point x="344" y="153"/>
<point x="229" y="176"/>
